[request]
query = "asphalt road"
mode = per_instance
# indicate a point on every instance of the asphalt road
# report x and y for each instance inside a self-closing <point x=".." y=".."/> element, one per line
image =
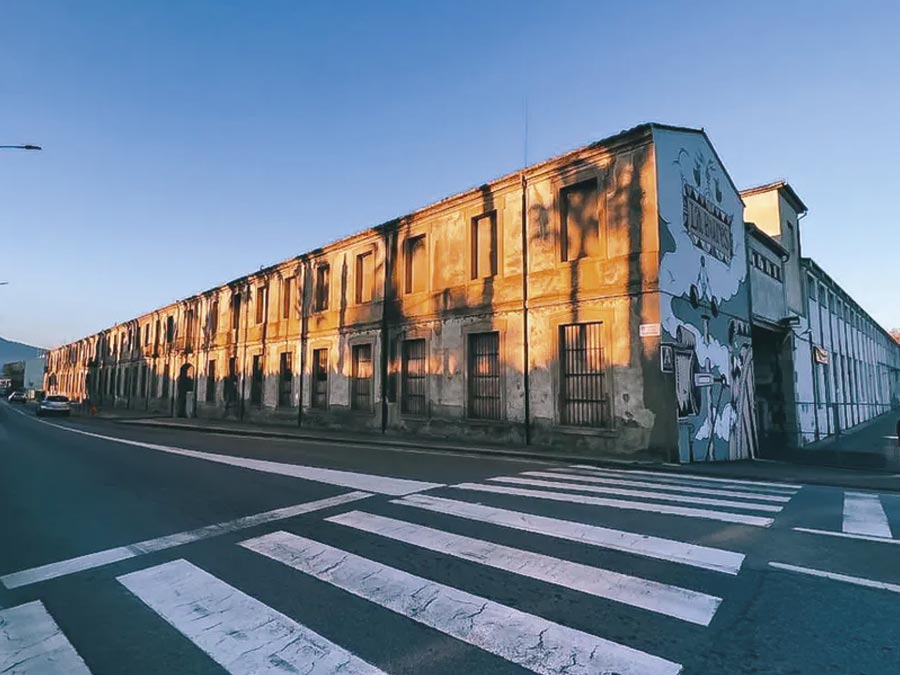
<point x="134" y="550"/>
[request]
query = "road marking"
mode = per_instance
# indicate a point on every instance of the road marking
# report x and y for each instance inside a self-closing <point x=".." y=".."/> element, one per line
<point x="556" y="475"/>
<point x="863" y="514"/>
<point x="847" y="535"/>
<point x="667" y="509"/>
<point x="681" y="603"/>
<point x="715" y="559"/>
<point x="530" y="641"/>
<point x="100" y="558"/>
<point x="31" y="643"/>
<point x="858" y="581"/>
<point x="238" y="632"/>
<point x="357" y="481"/>
<point x="639" y="494"/>
<point x="669" y="477"/>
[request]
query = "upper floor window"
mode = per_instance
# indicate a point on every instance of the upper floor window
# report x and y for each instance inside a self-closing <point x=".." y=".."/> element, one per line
<point x="323" y="272"/>
<point x="236" y="311"/>
<point x="170" y="329"/>
<point x="213" y="317"/>
<point x="484" y="245"/>
<point x="262" y="295"/>
<point x="189" y="328"/>
<point x="287" y="290"/>
<point x="416" y="260"/>
<point x="580" y="224"/>
<point x="365" y="276"/>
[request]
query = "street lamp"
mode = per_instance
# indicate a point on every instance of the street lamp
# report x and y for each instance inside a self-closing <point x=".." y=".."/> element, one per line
<point x="20" y="147"/>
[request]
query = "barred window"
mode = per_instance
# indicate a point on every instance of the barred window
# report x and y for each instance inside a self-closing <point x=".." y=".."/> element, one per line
<point x="286" y="379"/>
<point x="361" y="382"/>
<point x="412" y="400"/>
<point x="256" y="381"/>
<point x="484" y="375"/>
<point x="319" y="379"/>
<point x="583" y="400"/>
<point x="211" y="381"/>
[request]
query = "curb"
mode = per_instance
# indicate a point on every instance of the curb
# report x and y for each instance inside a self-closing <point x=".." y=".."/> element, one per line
<point x="675" y="470"/>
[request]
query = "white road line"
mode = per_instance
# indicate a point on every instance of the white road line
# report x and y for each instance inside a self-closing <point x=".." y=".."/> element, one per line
<point x="863" y="514"/>
<point x="667" y="509"/>
<point x="681" y="603"/>
<point x="238" y="632"/>
<point x="357" y="481"/>
<point x="530" y="641"/>
<point x="100" y="558"/>
<point x="639" y="494"/>
<point x="32" y="644"/>
<point x="858" y="581"/>
<point x="847" y="535"/>
<point x="671" y="477"/>
<point x="556" y="475"/>
<point x="718" y="560"/>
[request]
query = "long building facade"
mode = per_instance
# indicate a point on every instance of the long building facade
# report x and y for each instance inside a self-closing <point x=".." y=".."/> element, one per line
<point x="610" y="300"/>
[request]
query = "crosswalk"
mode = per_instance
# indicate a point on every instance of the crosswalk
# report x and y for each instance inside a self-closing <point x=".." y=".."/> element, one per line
<point x="472" y="523"/>
<point x="863" y="517"/>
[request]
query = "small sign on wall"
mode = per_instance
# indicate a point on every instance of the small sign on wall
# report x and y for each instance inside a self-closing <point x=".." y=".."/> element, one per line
<point x="649" y="330"/>
<point x="667" y="358"/>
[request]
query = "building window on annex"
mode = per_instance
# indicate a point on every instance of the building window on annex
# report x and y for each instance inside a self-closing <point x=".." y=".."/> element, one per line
<point x="262" y="295"/>
<point x="413" y="377"/>
<point x="580" y="223"/>
<point x="484" y="245"/>
<point x="323" y="273"/>
<point x="319" y="397"/>
<point x="582" y="391"/>
<point x="287" y="288"/>
<point x="211" y="381"/>
<point x="416" y="265"/>
<point x="235" y="311"/>
<point x="285" y="379"/>
<point x="365" y="277"/>
<point x="231" y="381"/>
<point x="361" y="378"/>
<point x="484" y="376"/>
<point x="256" y="381"/>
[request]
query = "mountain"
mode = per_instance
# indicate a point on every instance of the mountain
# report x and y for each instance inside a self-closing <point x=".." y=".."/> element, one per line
<point x="16" y="351"/>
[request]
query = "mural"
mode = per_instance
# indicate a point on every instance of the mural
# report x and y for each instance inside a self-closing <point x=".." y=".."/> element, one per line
<point x="705" y="299"/>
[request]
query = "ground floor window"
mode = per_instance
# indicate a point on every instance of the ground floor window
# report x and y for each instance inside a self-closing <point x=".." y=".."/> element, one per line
<point x="256" y="381"/>
<point x="211" y="381"/>
<point x="484" y="376"/>
<point x="165" y="382"/>
<point x="231" y="381"/>
<point x="583" y="400"/>
<point x="319" y="398"/>
<point x="361" y="382"/>
<point x="285" y="379"/>
<point x="412" y="399"/>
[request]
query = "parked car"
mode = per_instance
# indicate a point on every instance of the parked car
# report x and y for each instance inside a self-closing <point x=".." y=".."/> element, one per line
<point x="17" y="397"/>
<point x="54" y="405"/>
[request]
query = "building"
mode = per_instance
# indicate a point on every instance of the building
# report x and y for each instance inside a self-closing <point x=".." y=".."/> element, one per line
<point x="600" y="300"/>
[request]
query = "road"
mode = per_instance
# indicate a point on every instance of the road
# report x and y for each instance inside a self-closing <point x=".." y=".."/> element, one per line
<point x="134" y="550"/>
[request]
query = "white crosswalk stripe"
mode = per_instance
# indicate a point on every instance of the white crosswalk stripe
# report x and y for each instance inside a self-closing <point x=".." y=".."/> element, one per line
<point x="705" y="557"/>
<point x="651" y="507"/>
<point x="639" y="494"/>
<point x="864" y="514"/>
<point x="680" y="603"/>
<point x="31" y="643"/>
<point x="241" y="634"/>
<point x="733" y="483"/>
<point x="533" y="642"/>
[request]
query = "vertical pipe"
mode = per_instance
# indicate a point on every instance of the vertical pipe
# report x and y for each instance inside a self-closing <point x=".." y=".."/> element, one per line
<point x="525" y="358"/>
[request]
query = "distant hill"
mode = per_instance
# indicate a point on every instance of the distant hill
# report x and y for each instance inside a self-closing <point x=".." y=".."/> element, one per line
<point x="16" y="351"/>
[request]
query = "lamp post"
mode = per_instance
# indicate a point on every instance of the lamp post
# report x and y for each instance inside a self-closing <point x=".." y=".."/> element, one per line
<point x="20" y="147"/>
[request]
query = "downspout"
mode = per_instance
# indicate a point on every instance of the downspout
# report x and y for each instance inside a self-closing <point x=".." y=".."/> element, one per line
<point x="244" y="309"/>
<point x="388" y="271"/>
<point x="525" y="358"/>
<point x="304" y="325"/>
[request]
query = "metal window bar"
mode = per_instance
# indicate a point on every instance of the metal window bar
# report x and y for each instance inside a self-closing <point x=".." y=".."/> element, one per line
<point x="484" y="376"/>
<point x="286" y="380"/>
<point x="320" y="379"/>
<point x="256" y="382"/>
<point x="582" y="388"/>
<point x="414" y="373"/>
<point x="361" y="383"/>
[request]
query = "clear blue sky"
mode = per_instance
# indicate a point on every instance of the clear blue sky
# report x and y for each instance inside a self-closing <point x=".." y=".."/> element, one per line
<point x="188" y="143"/>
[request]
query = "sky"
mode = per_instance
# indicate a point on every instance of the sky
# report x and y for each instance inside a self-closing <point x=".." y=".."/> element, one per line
<point x="190" y="143"/>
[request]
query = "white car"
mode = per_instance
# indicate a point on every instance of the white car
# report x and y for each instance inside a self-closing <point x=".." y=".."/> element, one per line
<point x="54" y="405"/>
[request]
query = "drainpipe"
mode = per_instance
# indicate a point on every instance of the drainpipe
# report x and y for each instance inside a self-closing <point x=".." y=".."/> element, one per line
<point x="246" y="321"/>
<point x="388" y="271"/>
<point x="304" y="324"/>
<point x="525" y="357"/>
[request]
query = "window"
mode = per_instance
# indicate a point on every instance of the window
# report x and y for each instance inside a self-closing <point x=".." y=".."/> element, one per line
<point x="320" y="379"/>
<point x="286" y="379"/>
<point x="231" y="381"/>
<point x="321" y="297"/>
<point x="287" y="286"/>
<point x="262" y="296"/>
<point x="811" y="285"/>
<point x="583" y="399"/>
<point x="484" y="375"/>
<point x="165" y="382"/>
<point x="256" y="381"/>
<point x="170" y="329"/>
<point x="213" y="318"/>
<point x="189" y="328"/>
<point x="580" y="223"/>
<point x="211" y="381"/>
<point x="416" y="272"/>
<point x="236" y="311"/>
<point x="365" y="280"/>
<point x="146" y="334"/>
<point x="484" y="246"/>
<point x="158" y="333"/>
<point x="135" y="380"/>
<point x="412" y="400"/>
<point x="361" y="382"/>
<point x="145" y="377"/>
<point x="756" y="259"/>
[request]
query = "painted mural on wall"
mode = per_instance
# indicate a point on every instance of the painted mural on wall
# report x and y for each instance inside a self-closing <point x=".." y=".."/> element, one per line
<point x="705" y="299"/>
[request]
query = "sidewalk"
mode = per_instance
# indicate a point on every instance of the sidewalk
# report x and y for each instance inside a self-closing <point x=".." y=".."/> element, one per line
<point x="762" y="470"/>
